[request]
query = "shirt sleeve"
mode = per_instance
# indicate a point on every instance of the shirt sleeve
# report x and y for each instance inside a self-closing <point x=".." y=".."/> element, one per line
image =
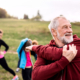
<point x="48" y="52"/>
<point x="5" y="45"/>
<point x="41" y="71"/>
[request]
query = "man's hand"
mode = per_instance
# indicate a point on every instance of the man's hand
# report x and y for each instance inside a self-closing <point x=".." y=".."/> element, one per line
<point x="71" y="53"/>
<point x="29" y="47"/>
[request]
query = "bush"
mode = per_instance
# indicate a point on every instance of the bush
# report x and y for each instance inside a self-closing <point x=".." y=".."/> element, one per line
<point x="3" y="13"/>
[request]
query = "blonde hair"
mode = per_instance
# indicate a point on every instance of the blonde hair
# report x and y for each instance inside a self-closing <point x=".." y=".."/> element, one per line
<point x="34" y="42"/>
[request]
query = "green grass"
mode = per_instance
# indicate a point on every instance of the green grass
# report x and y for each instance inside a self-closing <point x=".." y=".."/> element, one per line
<point x="15" y="31"/>
<point x="12" y="60"/>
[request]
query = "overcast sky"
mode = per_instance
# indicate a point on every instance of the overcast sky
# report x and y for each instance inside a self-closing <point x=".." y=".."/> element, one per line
<point x="49" y="9"/>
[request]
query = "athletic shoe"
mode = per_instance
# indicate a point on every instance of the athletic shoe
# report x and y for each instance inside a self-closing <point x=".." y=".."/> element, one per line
<point x="15" y="78"/>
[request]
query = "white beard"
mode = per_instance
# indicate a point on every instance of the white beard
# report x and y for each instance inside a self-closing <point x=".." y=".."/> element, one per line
<point x="64" y="39"/>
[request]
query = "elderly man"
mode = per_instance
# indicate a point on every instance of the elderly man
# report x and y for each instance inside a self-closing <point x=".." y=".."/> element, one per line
<point x="55" y="62"/>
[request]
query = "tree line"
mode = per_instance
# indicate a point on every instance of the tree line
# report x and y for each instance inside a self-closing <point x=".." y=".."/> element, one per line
<point x="4" y="14"/>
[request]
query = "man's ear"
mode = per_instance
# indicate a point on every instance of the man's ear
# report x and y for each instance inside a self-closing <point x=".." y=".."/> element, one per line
<point x="54" y="33"/>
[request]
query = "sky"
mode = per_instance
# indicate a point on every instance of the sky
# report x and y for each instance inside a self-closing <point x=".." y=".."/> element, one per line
<point x="49" y="9"/>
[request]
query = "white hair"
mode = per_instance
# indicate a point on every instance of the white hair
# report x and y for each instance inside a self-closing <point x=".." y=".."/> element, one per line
<point x="54" y="24"/>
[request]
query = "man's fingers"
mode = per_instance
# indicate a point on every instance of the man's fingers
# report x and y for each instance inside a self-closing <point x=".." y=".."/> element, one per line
<point x="70" y="47"/>
<point x="75" y="50"/>
<point x="29" y="47"/>
<point x="74" y="47"/>
<point x="65" y="48"/>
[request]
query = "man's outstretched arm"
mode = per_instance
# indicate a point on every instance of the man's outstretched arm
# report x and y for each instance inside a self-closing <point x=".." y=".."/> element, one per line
<point x="47" y="52"/>
<point x="41" y="71"/>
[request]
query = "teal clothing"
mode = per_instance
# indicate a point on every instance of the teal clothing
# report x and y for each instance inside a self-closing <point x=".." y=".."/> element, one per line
<point x="22" y="56"/>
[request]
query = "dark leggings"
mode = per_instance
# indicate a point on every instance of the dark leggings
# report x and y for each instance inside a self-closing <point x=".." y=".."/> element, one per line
<point x="3" y="63"/>
<point x="26" y="73"/>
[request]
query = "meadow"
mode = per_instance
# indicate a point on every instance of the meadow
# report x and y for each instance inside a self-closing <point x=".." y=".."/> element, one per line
<point x="15" y="31"/>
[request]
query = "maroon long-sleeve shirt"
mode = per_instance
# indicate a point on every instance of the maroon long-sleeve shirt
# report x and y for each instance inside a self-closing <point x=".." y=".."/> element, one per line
<point x="51" y="65"/>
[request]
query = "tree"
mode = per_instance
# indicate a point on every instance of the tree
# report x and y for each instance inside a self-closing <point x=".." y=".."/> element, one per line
<point x="37" y="17"/>
<point x="26" y="16"/>
<point x="3" y="13"/>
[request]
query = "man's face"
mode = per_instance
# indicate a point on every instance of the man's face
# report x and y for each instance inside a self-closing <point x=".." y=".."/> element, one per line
<point x="64" y="31"/>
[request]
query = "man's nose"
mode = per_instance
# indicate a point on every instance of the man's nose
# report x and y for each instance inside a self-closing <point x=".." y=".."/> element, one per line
<point x="69" y="30"/>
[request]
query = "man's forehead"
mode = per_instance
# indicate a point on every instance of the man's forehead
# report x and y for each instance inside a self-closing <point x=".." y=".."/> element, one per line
<point x="63" y="21"/>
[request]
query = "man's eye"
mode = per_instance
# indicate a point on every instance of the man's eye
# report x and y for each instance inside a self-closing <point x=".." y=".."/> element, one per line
<point x="70" y="27"/>
<point x="65" y="26"/>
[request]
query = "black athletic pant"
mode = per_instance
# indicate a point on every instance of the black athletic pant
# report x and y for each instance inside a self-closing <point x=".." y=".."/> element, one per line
<point x="3" y="63"/>
<point x="26" y="73"/>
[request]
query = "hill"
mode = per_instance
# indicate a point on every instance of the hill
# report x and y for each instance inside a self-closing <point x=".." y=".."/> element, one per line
<point x="15" y="30"/>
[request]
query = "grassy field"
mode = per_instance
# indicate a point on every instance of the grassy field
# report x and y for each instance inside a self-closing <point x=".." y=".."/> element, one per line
<point x="12" y="60"/>
<point x="15" y="31"/>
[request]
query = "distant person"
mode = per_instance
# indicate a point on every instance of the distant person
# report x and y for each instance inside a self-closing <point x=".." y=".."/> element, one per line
<point x="25" y="62"/>
<point x="3" y="62"/>
<point x="34" y="42"/>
